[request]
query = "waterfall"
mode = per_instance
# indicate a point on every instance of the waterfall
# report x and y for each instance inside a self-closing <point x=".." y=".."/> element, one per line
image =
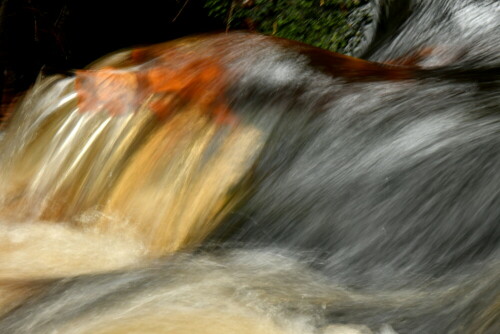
<point x="246" y="183"/>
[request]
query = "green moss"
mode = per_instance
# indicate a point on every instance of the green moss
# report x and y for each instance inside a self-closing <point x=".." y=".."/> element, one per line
<point x="329" y="24"/>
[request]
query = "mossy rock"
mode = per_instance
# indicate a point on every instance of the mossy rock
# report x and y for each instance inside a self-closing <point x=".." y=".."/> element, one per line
<point x="335" y="25"/>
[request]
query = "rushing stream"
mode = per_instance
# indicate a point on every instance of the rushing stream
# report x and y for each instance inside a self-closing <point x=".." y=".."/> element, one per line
<point x="240" y="183"/>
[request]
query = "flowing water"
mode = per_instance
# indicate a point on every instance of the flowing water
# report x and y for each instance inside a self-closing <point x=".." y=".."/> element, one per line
<point x="243" y="183"/>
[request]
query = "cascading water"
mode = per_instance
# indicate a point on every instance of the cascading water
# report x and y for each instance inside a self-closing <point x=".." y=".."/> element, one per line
<point x="250" y="184"/>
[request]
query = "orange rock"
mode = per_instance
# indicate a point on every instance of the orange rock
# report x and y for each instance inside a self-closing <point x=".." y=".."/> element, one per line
<point x="162" y="75"/>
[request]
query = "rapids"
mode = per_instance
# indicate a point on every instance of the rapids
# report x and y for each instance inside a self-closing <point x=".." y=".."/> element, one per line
<point x="245" y="183"/>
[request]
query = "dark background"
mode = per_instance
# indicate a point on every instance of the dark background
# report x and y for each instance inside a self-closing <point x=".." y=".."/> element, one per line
<point x="40" y="36"/>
